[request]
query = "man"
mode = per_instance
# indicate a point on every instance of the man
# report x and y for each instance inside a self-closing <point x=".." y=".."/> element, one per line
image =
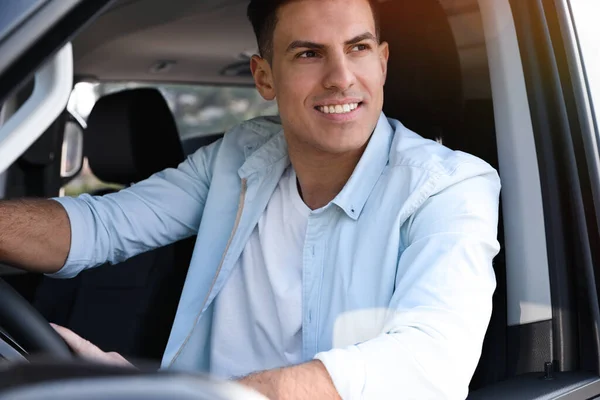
<point x="338" y="253"/>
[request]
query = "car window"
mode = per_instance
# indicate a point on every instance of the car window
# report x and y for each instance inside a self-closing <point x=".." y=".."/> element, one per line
<point x="585" y="15"/>
<point x="198" y="110"/>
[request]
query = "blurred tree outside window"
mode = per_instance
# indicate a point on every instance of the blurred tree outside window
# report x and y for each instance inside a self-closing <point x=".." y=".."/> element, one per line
<point x="198" y="110"/>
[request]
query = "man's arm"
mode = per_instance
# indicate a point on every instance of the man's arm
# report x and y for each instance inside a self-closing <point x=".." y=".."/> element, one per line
<point x="35" y="234"/>
<point x="305" y="381"/>
<point x="300" y="382"/>
<point x="67" y="235"/>
<point x="430" y="343"/>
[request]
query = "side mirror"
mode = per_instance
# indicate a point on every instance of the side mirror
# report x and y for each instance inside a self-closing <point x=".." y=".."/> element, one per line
<point x="72" y="148"/>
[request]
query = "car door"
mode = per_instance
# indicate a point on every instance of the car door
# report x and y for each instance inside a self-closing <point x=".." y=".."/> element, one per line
<point x="31" y="31"/>
<point x="34" y="34"/>
<point x="34" y="43"/>
<point x="558" y="48"/>
<point x="36" y="78"/>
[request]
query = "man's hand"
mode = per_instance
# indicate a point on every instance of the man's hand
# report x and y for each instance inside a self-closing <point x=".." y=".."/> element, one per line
<point x="88" y="350"/>
<point x="305" y="381"/>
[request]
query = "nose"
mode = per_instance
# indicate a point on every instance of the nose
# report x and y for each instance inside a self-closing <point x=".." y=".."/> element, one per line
<point x="339" y="74"/>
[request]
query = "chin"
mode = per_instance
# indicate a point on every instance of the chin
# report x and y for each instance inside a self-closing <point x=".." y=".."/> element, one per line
<point x="343" y="145"/>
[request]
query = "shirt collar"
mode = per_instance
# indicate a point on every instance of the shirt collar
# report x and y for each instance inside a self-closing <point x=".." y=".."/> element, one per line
<point x="261" y="155"/>
<point x="355" y="193"/>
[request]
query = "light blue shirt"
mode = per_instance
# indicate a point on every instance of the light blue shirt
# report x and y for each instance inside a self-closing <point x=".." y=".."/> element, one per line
<point x="397" y="270"/>
<point x="263" y="294"/>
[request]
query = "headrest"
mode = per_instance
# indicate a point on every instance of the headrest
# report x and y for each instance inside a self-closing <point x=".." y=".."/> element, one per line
<point x="424" y="84"/>
<point x="130" y="136"/>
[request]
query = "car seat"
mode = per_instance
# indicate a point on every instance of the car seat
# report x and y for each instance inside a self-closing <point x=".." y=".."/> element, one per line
<point x="128" y="307"/>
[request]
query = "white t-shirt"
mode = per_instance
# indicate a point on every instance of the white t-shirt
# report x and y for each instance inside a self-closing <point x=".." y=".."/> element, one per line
<point x="257" y="321"/>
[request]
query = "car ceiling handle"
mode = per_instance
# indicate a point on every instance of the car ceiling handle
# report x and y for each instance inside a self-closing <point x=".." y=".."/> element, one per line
<point x="52" y="88"/>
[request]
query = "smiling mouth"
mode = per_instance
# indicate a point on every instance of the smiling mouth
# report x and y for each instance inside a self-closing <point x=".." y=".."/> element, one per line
<point x="338" y="108"/>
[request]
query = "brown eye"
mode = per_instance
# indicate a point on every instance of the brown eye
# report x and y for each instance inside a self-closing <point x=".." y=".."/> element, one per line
<point x="360" y="47"/>
<point x="308" y="54"/>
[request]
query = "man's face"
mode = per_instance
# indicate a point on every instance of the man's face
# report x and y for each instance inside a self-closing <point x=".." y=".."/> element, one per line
<point x="327" y="73"/>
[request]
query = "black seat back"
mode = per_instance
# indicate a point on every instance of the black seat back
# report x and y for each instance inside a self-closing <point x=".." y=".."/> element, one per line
<point x="131" y="135"/>
<point x="191" y="144"/>
<point x="128" y="307"/>
<point x="424" y="84"/>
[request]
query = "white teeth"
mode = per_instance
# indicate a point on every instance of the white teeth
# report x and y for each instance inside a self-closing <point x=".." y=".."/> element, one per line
<point x="339" y="108"/>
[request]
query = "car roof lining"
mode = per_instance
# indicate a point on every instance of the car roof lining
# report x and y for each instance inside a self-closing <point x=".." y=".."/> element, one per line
<point x="201" y="38"/>
<point x="198" y="40"/>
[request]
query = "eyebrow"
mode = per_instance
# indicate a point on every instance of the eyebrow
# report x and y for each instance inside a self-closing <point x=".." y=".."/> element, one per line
<point x="360" y="38"/>
<point x="304" y="44"/>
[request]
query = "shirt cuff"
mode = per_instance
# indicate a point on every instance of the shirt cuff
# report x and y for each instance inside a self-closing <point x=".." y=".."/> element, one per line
<point x="77" y="259"/>
<point x="347" y="370"/>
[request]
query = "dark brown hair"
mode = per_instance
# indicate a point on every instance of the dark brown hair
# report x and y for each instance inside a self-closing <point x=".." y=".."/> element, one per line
<point x="263" y="17"/>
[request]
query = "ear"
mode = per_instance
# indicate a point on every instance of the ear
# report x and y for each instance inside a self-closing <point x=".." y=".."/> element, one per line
<point x="263" y="77"/>
<point x="384" y="55"/>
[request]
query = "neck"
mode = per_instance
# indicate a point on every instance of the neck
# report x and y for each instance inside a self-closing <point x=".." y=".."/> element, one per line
<point x="321" y="176"/>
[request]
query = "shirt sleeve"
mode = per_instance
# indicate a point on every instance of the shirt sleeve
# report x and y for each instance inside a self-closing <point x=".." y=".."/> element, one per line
<point x="160" y="210"/>
<point x="442" y="303"/>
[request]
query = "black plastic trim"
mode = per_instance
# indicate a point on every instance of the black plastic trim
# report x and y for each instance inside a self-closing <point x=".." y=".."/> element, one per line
<point x="562" y="385"/>
<point x="588" y="243"/>
<point x="569" y="253"/>
<point x="40" y="37"/>
<point x="585" y="136"/>
<point x="530" y="347"/>
<point x="587" y="237"/>
<point x="588" y="391"/>
<point x="529" y="30"/>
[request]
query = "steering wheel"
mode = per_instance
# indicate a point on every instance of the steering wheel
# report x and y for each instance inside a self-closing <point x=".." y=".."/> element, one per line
<point x="65" y="376"/>
<point x="27" y="327"/>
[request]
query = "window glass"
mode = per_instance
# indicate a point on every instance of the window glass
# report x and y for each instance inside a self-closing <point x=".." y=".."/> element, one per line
<point x="198" y="110"/>
<point x="586" y="14"/>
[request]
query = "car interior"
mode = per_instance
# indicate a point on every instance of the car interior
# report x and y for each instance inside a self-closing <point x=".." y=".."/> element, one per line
<point x="439" y="84"/>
